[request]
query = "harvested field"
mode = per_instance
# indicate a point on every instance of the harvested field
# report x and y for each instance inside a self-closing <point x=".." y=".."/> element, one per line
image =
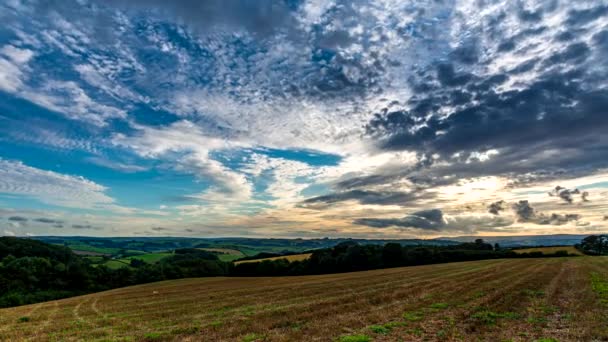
<point x="492" y="300"/>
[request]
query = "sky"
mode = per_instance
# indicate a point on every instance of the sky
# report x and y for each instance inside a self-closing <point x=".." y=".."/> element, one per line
<point x="318" y="118"/>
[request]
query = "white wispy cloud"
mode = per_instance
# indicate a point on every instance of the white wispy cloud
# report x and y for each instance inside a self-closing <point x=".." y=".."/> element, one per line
<point x="53" y="188"/>
<point x="186" y="147"/>
<point x="13" y="67"/>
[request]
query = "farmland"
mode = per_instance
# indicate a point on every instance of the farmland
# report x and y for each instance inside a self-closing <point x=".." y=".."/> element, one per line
<point x="226" y="254"/>
<point x="491" y="300"/>
<point x="290" y="258"/>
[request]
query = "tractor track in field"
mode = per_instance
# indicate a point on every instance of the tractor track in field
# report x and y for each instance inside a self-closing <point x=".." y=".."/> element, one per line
<point x="76" y="310"/>
<point x="49" y="318"/>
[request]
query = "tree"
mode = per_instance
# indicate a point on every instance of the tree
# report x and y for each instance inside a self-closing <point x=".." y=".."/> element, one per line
<point x="392" y="254"/>
<point x="137" y="263"/>
<point x="594" y="244"/>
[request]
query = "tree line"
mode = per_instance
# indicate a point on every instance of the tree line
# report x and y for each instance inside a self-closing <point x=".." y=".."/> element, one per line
<point x="32" y="271"/>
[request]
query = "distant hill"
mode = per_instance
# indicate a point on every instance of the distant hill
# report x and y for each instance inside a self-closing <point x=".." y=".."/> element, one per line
<point x="253" y="246"/>
<point x="524" y="240"/>
<point x="248" y="246"/>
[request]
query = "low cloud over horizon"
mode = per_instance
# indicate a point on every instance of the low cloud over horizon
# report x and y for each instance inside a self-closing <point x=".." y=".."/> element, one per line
<point x="388" y="119"/>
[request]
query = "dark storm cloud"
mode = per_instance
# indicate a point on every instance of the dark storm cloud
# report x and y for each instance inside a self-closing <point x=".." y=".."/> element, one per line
<point x="568" y="195"/>
<point x="554" y="109"/>
<point x="496" y="207"/>
<point x="526" y="213"/>
<point x="558" y="110"/>
<point x="262" y="17"/>
<point x="431" y="219"/>
<point x="159" y="229"/>
<point x="18" y="219"/>
<point x="458" y="111"/>
<point x="434" y="220"/>
<point x="365" y="197"/>
<point x="83" y="226"/>
<point x="47" y="220"/>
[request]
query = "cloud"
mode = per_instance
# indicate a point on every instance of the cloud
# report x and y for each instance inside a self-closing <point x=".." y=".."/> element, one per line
<point x="428" y="105"/>
<point x="9" y="233"/>
<point x="13" y="67"/>
<point x="115" y="165"/>
<point x="496" y="207"/>
<point x="365" y="197"/>
<point x="188" y="148"/>
<point x="48" y="220"/>
<point x="527" y="117"/>
<point x="69" y="99"/>
<point x="53" y="188"/>
<point x="431" y="219"/>
<point x="18" y="219"/>
<point x="525" y="213"/>
<point x="84" y="226"/>
<point x="260" y="17"/>
<point x="434" y="220"/>
<point x="567" y="195"/>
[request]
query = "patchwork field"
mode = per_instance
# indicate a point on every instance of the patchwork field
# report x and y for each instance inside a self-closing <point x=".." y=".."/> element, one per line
<point x="552" y="299"/>
<point x="294" y="257"/>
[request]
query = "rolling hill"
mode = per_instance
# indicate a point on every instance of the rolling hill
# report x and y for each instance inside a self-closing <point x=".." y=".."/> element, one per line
<point x="523" y="240"/>
<point x="544" y="299"/>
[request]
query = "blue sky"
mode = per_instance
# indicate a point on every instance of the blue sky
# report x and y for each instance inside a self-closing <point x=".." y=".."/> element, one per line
<point x="303" y="118"/>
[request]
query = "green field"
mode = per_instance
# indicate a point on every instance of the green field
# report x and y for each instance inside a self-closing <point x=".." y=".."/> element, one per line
<point x="115" y="264"/>
<point x="148" y="257"/>
<point x="89" y="248"/>
<point x="226" y="254"/>
<point x="293" y="257"/>
<point x="542" y="299"/>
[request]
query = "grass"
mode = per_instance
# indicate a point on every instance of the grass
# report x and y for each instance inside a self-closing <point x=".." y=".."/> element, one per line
<point x="294" y="257"/>
<point x="253" y="337"/>
<point x="600" y="287"/>
<point x="88" y="248"/>
<point x="549" y="250"/>
<point x="225" y="251"/>
<point x="540" y="299"/>
<point x="115" y="264"/>
<point x="226" y="254"/>
<point x="354" y="338"/>
<point x="490" y="318"/>
<point x="149" y="258"/>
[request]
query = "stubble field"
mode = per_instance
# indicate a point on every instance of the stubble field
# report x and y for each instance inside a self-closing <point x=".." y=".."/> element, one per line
<point x="553" y="299"/>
